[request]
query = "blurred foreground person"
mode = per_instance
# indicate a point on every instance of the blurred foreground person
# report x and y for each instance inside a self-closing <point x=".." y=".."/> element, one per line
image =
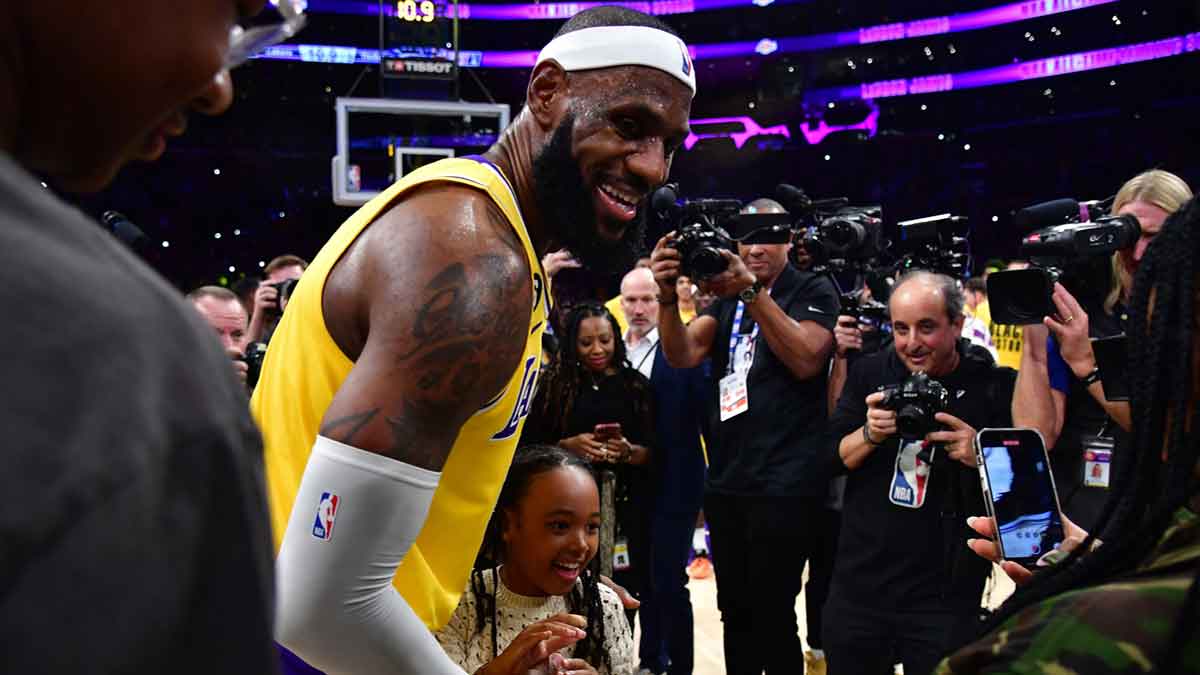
<point x="137" y="538"/>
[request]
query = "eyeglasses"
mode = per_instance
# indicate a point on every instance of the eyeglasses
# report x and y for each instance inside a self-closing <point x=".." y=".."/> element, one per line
<point x="247" y="42"/>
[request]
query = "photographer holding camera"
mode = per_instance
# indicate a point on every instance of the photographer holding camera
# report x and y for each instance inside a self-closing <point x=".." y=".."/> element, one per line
<point x="769" y="337"/>
<point x="1084" y="417"/>
<point x="272" y="295"/>
<point x="906" y="421"/>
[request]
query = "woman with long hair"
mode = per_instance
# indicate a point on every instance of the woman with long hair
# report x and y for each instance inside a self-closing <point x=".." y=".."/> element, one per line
<point x="593" y="403"/>
<point x="1086" y="420"/>
<point x="1129" y="604"/>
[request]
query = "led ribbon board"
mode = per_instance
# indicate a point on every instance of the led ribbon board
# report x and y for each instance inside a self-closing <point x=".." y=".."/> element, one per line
<point x="545" y="11"/>
<point x="1053" y="66"/>
<point x="995" y="16"/>
<point x="1020" y="71"/>
<point x="953" y="23"/>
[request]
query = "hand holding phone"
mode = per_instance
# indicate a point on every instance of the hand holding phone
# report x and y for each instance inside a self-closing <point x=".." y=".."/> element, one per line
<point x="607" y="431"/>
<point x="1019" y="493"/>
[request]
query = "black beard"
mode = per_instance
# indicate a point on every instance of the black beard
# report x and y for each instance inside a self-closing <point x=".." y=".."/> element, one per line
<point x="565" y="203"/>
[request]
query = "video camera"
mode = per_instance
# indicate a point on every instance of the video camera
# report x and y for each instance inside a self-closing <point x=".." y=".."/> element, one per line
<point x="937" y="243"/>
<point x="705" y="227"/>
<point x="1078" y="234"/>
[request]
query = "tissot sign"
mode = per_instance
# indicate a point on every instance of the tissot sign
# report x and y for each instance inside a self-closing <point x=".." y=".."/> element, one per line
<point x="416" y="67"/>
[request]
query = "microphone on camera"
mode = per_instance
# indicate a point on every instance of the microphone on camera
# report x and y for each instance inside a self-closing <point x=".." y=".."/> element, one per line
<point x="1059" y="212"/>
<point x="122" y="228"/>
<point x="1056" y="212"/>
<point x="797" y="202"/>
<point x="664" y="202"/>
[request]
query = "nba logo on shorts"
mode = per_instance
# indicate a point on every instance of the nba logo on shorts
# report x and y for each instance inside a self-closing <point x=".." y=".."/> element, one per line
<point x="326" y="511"/>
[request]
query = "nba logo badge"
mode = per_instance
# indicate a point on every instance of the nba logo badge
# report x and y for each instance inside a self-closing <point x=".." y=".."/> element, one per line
<point x="911" y="477"/>
<point x="326" y="511"/>
<point x="687" y="59"/>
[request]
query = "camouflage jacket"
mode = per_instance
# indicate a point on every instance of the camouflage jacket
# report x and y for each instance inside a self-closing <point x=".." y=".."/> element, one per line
<point x="1118" y="627"/>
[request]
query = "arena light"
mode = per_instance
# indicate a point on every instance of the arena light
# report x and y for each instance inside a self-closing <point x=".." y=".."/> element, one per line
<point x="813" y="133"/>
<point x="1020" y="71"/>
<point x="749" y="129"/>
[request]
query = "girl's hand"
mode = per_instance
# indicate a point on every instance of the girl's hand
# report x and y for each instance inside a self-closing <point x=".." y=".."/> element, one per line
<point x="560" y="665"/>
<point x="537" y="643"/>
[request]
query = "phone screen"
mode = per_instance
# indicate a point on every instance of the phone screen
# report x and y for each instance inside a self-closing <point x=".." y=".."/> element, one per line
<point x="607" y="431"/>
<point x="1024" y="502"/>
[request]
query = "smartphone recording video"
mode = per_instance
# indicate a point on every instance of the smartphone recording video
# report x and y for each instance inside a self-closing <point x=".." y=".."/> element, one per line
<point x="1019" y="491"/>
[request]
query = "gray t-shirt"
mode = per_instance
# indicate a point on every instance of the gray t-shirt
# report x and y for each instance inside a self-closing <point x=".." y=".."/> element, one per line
<point x="133" y="534"/>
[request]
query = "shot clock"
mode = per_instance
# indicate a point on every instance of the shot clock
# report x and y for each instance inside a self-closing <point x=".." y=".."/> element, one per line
<point x="419" y="40"/>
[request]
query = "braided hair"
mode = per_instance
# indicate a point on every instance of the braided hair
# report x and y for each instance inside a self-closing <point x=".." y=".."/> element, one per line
<point x="1145" y="492"/>
<point x="584" y="599"/>
<point x="564" y="377"/>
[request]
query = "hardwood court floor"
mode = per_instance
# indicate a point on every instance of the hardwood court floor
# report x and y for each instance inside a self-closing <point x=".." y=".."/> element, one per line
<point x="710" y="652"/>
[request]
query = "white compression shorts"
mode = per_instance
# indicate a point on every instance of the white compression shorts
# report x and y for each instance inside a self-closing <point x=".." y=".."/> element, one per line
<point x="354" y="519"/>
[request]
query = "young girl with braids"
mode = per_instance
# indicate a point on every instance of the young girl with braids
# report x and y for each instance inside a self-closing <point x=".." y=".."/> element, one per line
<point x="536" y="579"/>
<point x="1131" y="604"/>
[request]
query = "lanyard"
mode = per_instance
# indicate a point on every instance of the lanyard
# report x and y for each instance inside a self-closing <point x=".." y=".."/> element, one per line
<point x="735" y="337"/>
<point x="648" y="354"/>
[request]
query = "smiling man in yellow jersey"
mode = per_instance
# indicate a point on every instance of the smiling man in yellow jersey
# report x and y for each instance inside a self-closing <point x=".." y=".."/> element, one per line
<point x="395" y="387"/>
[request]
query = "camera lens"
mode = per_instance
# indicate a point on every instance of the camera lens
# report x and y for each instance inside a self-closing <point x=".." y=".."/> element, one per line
<point x="706" y="261"/>
<point x="912" y="421"/>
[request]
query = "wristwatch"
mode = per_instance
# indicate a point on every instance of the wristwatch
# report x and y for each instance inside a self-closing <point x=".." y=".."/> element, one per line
<point x="750" y="293"/>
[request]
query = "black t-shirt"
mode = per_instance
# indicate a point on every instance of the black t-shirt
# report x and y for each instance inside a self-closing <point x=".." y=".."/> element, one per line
<point x="1083" y="417"/>
<point x="601" y="400"/>
<point x="135" y="537"/>
<point x="773" y="449"/>
<point x="903" y="540"/>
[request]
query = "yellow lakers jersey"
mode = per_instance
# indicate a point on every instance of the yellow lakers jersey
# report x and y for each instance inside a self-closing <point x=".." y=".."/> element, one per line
<point x="304" y="368"/>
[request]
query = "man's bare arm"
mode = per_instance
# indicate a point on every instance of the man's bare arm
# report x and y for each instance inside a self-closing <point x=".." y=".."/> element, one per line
<point x="1032" y="404"/>
<point x="448" y="309"/>
<point x="685" y="346"/>
<point x="433" y="304"/>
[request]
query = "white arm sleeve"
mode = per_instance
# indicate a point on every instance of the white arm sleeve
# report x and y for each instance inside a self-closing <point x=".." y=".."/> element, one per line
<point x="354" y="518"/>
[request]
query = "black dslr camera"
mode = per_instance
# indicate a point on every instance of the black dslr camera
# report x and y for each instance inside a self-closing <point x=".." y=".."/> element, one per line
<point x="255" y="353"/>
<point x="1062" y="252"/>
<point x="870" y="313"/>
<point x="701" y="230"/>
<point x="284" y="289"/>
<point x="915" y="401"/>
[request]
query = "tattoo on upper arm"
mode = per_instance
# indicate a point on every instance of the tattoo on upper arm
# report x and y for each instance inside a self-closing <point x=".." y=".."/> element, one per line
<point x="458" y="350"/>
<point x="354" y="423"/>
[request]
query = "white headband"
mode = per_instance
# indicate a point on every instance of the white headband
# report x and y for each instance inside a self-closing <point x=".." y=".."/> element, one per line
<point x="608" y="46"/>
